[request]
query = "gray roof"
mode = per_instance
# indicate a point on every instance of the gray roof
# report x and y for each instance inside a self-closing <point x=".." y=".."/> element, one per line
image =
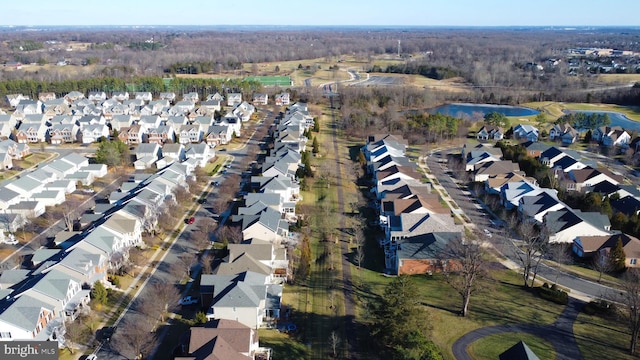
<point x="14" y="276"/>
<point x="75" y="159"/>
<point x="54" y="284"/>
<point x="425" y="246"/>
<point x="24" y="312"/>
<point x="242" y="290"/>
<point x="26" y="183"/>
<point x="8" y="194"/>
<point x="44" y="254"/>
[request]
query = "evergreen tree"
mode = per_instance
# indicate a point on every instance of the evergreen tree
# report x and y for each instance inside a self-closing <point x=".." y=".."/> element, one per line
<point x="401" y="325"/>
<point x="315" y="145"/>
<point x="617" y="257"/>
<point x="99" y="293"/>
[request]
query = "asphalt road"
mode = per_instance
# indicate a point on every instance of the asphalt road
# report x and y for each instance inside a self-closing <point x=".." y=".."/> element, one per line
<point x="505" y="245"/>
<point x="182" y="245"/>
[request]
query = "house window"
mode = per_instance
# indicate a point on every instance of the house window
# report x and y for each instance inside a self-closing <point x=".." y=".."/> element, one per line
<point x="5" y="335"/>
<point x="632" y="261"/>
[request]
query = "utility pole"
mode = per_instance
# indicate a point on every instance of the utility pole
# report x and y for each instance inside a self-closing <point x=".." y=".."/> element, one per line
<point x="398" y="48"/>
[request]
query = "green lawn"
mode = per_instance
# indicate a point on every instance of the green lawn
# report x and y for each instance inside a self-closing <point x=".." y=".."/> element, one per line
<point x="283" y="346"/>
<point x="492" y="346"/>
<point x="600" y="338"/>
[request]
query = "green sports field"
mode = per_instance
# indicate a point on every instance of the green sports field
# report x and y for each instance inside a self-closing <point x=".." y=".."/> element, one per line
<point x="271" y="80"/>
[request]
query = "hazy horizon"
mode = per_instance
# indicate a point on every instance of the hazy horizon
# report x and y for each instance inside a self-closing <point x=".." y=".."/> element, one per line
<point x="374" y="13"/>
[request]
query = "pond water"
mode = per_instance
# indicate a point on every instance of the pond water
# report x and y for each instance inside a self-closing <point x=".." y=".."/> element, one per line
<point x="475" y="112"/>
<point x="617" y="119"/>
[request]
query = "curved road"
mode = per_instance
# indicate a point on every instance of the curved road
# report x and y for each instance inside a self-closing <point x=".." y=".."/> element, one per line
<point x="468" y="204"/>
<point x="559" y="334"/>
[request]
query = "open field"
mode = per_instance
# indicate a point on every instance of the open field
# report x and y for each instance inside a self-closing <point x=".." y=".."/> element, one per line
<point x="600" y="338"/>
<point x="619" y="78"/>
<point x="554" y="109"/>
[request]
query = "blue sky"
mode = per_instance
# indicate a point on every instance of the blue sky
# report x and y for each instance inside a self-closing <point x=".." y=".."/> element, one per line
<point x="324" y="12"/>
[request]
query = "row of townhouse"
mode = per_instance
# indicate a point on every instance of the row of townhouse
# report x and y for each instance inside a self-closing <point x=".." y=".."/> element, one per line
<point x="26" y="197"/>
<point x="609" y="136"/>
<point x="589" y="232"/>
<point x="416" y="225"/>
<point x="142" y="103"/>
<point x="154" y="128"/>
<point x="37" y="301"/>
<point x="148" y="155"/>
<point x="247" y="286"/>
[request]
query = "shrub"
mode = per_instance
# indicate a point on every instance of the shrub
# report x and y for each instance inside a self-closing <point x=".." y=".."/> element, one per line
<point x="553" y="294"/>
<point x="599" y="307"/>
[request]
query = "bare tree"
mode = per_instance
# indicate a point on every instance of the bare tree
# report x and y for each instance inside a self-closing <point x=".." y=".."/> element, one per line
<point x="359" y="256"/>
<point x="200" y="239"/>
<point x="70" y="211"/>
<point x="601" y="264"/>
<point x="161" y="297"/>
<point x="464" y="263"/>
<point x="631" y="300"/>
<point x="207" y="263"/>
<point x="230" y="234"/>
<point x="76" y="333"/>
<point x="134" y="338"/>
<point x="186" y="261"/>
<point x="534" y="245"/>
<point x="182" y="195"/>
<point x="560" y="255"/>
<point x="334" y="341"/>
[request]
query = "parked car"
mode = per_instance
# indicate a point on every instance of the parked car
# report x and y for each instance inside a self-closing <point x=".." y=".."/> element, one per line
<point x="487" y="233"/>
<point x="188" y="300"/>
<point x="216" y="183"/>
<point x="191" y="220"/>
<point x="92" y="357"/>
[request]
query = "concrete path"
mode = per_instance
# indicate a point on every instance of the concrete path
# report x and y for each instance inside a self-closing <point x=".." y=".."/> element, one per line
<point x="559" y="334"/>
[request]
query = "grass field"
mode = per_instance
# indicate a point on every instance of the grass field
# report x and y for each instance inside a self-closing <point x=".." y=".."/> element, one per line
<point x="554" y="109"/>
<point x="492" y="346"/>
<point x="602" y="338"/>
<point x="271" y="80"/>
<point x="619" y="78"/>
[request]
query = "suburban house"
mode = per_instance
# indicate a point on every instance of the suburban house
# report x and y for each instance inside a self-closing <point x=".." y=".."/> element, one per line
<point x="260" y="99"/>
<point x="28" y="133"/>
<point x="598" y="247"/>
<point x="423" y="254"/>
<point x="564" y="132"/>
<point x="144" y="96"/>
<point x="268" y="225"/>
<point x="234" y="99"/>
<point x="63" y="134"/>
<point x="495" y="182"/>
<point x="617" y="138"/>
<point x="243" y="297"/>
<point x="219" y="339"/>
<point x="176" y="151"/>
<point x="92" y="133"/>
<point x="490" y="133"/>
<point x="120" y="96"/>
<point x="566" y="224"/>
<point x="97" y="96"/>
<point x="536" y="206"/>
<point x="588" y="177"/>
<point x="219" y="135"/>
<point x="282" y="99"/>
<point x="161" y="135"/>
<point x="169" y="96"/>
<point x="28" y="318"/>
<point x="525" y="132"/>
<point x="131" y="135"/>
<point x="190" y="134"/>
<point x="486" y="169"/>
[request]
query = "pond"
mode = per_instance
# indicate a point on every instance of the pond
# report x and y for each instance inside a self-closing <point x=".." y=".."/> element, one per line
<point x="476" y="112"/>
<point x="617" y="119"/>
